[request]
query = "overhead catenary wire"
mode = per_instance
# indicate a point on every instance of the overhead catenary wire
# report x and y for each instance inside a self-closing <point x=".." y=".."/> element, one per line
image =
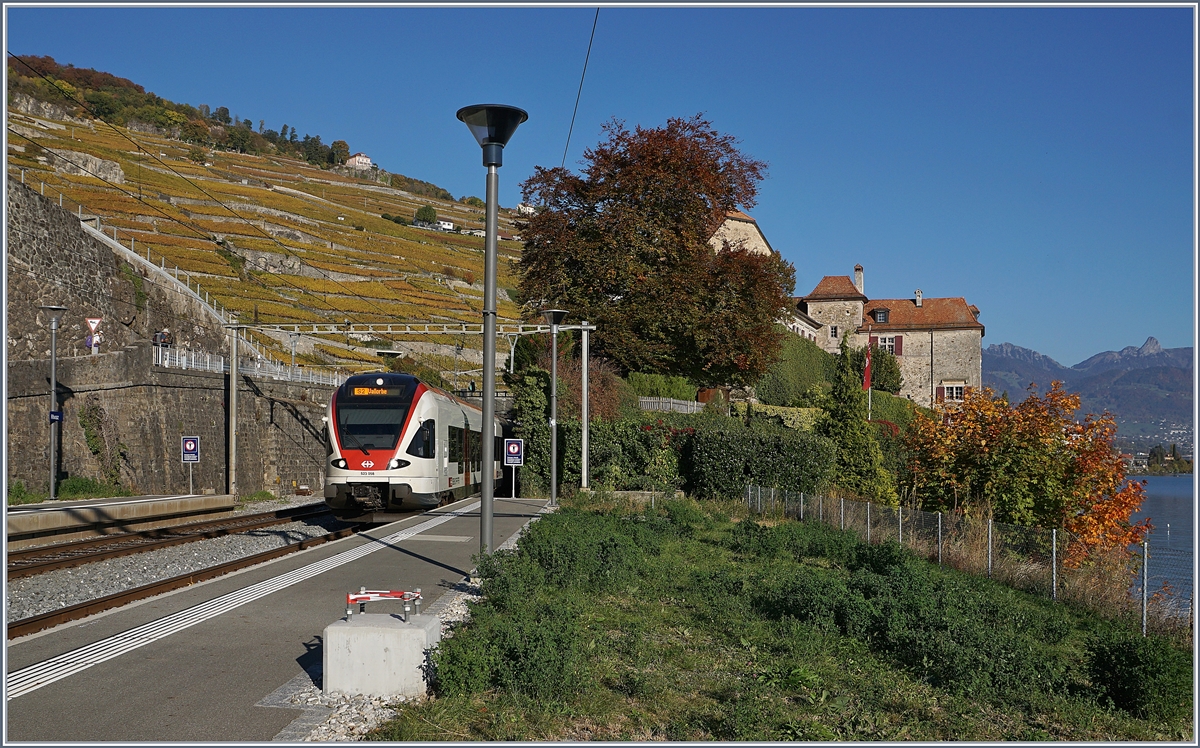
<point x="579" y="93"/>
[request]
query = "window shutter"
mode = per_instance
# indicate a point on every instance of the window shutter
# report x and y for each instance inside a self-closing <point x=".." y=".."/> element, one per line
<point x="940" y="394"/>
<point x="873" y="342"/>
<point x="899" y="345"/>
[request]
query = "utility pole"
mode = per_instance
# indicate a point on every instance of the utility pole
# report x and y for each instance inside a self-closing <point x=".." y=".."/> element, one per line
<point x="231" y="460"/>
<point x="55" y="314"/>
<point x="583" y="477"/>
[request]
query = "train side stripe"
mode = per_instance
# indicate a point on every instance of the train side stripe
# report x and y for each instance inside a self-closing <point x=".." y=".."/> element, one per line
<point x="33" y="677"/>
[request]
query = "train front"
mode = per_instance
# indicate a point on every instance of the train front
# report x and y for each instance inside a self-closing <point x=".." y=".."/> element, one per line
<point x="366" y="418"/>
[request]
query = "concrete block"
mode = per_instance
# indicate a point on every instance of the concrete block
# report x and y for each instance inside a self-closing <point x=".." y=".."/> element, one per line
<point x="377" y="654"/>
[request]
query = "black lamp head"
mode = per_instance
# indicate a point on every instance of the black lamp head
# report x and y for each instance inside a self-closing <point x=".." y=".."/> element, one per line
<point x="554" y="316"/>
<point x="492" y="125"/>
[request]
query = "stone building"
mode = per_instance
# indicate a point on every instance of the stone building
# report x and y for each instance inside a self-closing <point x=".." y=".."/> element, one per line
<point x="359" y="161"/>
<point x="740" y="229"/>
<point x="938" y="342"/>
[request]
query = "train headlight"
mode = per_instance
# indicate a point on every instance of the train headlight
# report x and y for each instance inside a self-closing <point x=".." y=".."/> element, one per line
<point x="339" y="463"/>
<point x="398" y="463"/>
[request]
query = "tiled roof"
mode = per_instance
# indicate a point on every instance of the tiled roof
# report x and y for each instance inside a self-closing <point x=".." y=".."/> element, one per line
<point x="834" y="287"/>
<point x="739" y="216"/>
<point x="904" y="314"/>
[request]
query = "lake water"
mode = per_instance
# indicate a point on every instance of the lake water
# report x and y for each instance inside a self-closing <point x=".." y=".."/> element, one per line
<point x="1171" y="506"/>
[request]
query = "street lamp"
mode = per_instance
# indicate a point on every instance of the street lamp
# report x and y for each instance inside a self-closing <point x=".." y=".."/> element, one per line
<point x="492" y="125"/>
<point x="55" y="313"/>
<point x="554" y="317"/>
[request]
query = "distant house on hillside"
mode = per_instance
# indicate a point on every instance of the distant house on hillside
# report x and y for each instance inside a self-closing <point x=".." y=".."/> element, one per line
<point x="938" y="342"/>
<point x="445" y="225"/>
<point x="525" y="210"/>
<point x="359" y="161"/>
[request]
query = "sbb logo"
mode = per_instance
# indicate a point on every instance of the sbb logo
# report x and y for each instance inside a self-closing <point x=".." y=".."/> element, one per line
<point x="368" y="464"/>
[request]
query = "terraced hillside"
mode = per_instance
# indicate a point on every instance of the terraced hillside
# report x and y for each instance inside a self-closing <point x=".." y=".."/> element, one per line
<point x="272" y="238"/>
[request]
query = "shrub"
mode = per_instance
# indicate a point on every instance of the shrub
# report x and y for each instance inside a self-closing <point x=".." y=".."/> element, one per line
<point x="1144" y="676"/>
<point x="724" y="461"/>
<point x="86" y="488"/>
<point x="661" y="385"/>
<point x="802" y="365"/>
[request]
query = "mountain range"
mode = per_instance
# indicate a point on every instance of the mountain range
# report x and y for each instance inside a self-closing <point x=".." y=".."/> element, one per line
<point x="1148" y="389"/>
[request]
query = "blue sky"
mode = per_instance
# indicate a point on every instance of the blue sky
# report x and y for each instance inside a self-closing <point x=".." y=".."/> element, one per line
<point x="1037" y="161"/>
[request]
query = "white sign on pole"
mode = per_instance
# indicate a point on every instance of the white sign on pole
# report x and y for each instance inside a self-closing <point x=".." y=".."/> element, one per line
<point x="94" y="322"/>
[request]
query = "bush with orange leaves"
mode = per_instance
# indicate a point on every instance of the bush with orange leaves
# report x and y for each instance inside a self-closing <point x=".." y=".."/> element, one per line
<point x="1027" y="464"/>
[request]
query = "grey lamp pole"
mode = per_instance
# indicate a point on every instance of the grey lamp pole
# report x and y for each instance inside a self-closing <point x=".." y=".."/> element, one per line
<point x="55" y="314"/>
<point x="492" y="125"/>
<point x="554" y="317"/>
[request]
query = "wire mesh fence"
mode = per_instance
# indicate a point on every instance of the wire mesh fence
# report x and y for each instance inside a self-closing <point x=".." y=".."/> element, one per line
<point x="1152" y="585"/>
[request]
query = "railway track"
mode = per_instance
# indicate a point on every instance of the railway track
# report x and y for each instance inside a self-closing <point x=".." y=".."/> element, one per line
<point x="37" y="623"/>
<point x="24" y="563"/>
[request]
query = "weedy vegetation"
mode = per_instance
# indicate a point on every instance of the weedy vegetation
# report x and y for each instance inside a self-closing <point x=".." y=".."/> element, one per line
<point x="689" y="621"/>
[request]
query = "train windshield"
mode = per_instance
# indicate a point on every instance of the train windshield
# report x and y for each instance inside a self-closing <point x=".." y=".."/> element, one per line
<point x="369" y="425"/>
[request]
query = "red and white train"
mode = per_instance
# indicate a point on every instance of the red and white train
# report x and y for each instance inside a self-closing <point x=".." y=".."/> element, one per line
<point x="394" y="442"/>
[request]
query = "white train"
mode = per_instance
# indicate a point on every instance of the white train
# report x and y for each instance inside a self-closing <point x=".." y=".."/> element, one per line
<point x="394" y="442"/>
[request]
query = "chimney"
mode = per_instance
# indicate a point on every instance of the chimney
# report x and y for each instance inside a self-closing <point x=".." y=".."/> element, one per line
<point x="858" y="278"/>
<point x="918" y="292"/>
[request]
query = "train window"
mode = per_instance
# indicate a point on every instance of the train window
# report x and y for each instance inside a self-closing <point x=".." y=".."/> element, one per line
<point x="424" y="441"/>
<point x="369" y="426"/>
<point x="455" y="437"/>
<point x="498" y="449"/>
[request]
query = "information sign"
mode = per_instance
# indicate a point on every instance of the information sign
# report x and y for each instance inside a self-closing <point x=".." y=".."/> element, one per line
<point x="191" y="448"/>
<point x="514" y="452"/>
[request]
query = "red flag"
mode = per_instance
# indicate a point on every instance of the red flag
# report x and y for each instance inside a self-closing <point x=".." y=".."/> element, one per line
<point x="867" y="371"/>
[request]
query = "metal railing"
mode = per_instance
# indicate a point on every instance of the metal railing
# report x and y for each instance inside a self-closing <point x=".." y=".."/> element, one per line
<point x="185" y="359"/>
<point x="1155" y="582"/>
<point x="669" y="404"/>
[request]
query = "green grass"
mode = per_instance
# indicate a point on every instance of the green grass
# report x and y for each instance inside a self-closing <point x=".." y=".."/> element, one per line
<point x="19" y="494"/>
<point x="678" y="623"/>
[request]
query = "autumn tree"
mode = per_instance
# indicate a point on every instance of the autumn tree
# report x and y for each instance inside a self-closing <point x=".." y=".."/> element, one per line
<point x="624" y="244"/>
<point x="1028" y="464"/>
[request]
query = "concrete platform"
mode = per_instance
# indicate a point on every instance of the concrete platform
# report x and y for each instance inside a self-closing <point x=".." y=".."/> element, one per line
<point x="378" y="654"/>
<point x="60" y="521"/>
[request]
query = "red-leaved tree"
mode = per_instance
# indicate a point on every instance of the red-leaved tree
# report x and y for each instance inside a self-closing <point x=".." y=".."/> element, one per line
<point x="624" y="245"/>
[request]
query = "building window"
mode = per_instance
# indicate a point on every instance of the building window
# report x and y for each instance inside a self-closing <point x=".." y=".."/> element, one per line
<point x="881" y="316"/>
<point x="833" y="331"/>
<point x="954" y="392"/>
<point x="887" y="344"/>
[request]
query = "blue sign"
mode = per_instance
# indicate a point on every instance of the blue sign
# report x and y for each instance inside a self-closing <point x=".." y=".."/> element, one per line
<point x="514" y="452"/>
<point x="56" y="416"/>
<point x="191" y="448"/>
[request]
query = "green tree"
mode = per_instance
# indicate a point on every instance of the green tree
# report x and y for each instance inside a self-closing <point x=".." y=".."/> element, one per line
<point x="885" y="369"/>
<point x="339" y="151"/>
<point x="625" y="245"/>
<point x="860" y="461"/>
<point x="802" y="365"/>
<point x="222" y="115"/>
<point x="474" y="202"/>
<point x="426" y="213"/>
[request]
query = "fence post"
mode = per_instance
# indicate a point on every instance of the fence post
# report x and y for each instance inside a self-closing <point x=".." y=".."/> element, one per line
<point x="821" y="508"/>
<point x="801" y="506"/>
<point x="759" y="499"/>
<point x="1145" y="581"/>
<point x="989" y="548"/>
<point x="900" y="520"/>
<point x="1054" y="564"/>
<point x="868" y="523"/>
<point x="842" y="510"/>
<point x="939" y="538"/>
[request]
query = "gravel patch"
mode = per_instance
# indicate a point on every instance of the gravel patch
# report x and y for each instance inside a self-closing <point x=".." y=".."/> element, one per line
<point x="43" y="593"/>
